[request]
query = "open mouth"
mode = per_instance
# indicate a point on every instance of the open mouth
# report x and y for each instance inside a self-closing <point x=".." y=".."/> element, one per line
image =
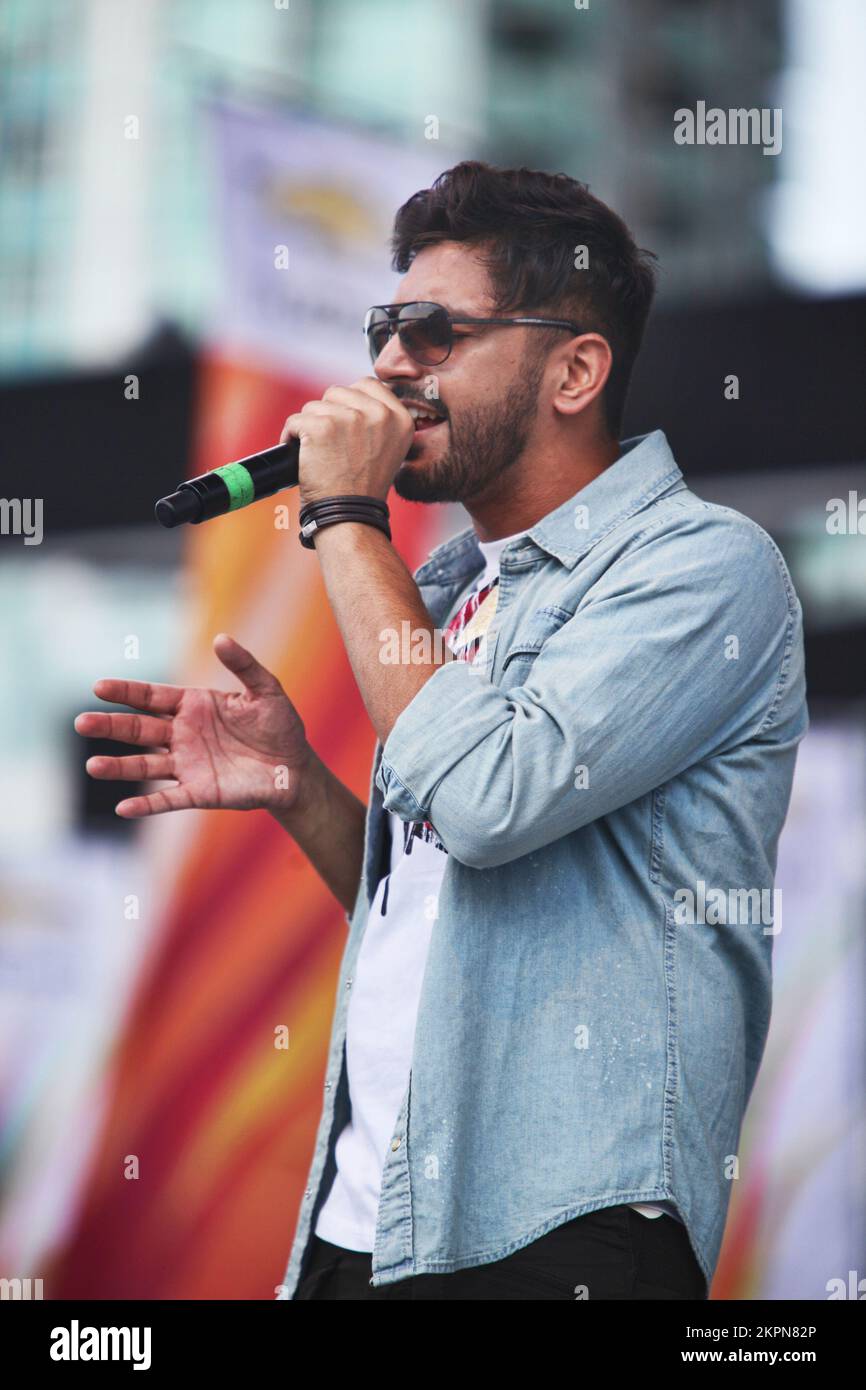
<point x="425" y="417"/>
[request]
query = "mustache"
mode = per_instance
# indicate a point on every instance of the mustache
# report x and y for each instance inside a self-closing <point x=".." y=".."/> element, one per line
<point x="409" y="396"/>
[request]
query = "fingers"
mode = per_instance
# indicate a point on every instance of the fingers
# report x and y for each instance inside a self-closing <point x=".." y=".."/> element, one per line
<point x="155" y="803"/>
<point x="372" y="386"/>
<point x="136" y="768"/>
<point x="346" y="398"/>
<point x="291" y="429"/>
<point x="369" y="396"/>
<point x="140" y="729"/>
<point x="158" y="699"/>
<point x="251" y="673"/>
<point x="312" y="422"/>
<point x="319" y="419"/>
<point x="368" y="399"/>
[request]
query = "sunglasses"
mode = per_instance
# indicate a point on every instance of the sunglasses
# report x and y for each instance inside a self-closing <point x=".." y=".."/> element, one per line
<point x="426" y="330"/>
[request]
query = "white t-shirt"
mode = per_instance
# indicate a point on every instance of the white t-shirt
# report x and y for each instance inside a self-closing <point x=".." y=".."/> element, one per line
<point x="380" y="1026"/>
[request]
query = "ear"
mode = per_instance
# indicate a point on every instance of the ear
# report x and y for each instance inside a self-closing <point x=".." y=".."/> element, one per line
<point x="582" y="369"/>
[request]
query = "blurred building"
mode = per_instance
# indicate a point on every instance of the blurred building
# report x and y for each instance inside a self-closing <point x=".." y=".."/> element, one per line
<point x="106" y="221"/>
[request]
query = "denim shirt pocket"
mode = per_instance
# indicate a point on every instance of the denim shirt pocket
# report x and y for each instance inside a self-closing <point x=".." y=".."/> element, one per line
<point x="531" y="637"/>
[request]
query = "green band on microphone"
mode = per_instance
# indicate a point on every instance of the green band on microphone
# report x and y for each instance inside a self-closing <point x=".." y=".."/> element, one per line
<point x="240" y="484"/>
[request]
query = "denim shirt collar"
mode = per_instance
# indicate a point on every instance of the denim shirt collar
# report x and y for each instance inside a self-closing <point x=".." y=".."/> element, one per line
<point x="644" y="470"/>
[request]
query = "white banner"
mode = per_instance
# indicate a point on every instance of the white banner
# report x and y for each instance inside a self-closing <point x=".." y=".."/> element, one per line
<point x="306" y="217"/>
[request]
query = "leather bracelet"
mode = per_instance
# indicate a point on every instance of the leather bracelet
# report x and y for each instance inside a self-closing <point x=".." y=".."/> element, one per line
<point x="328" y="506"/>
<point x="311" y="527"/>
<point x="334" y="509"/>
<point x="353" y="498"/>
<point x="329" y="511"/>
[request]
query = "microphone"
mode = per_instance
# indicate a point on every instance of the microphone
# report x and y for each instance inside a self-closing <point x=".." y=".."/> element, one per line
<point x="232" y="486"/>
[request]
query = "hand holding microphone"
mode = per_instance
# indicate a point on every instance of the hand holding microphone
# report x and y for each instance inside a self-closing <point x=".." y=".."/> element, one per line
<point x="351" y="441"/>
<point x="348" y="444"/>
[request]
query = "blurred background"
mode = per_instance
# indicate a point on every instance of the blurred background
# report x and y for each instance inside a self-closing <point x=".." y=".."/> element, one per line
<point x="195" y="201"/>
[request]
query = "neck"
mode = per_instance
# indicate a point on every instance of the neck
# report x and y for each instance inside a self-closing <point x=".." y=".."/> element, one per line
<point x="525" y="493"/>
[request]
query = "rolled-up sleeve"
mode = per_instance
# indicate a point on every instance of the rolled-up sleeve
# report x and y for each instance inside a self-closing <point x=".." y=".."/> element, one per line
<point x="682" y="645"/>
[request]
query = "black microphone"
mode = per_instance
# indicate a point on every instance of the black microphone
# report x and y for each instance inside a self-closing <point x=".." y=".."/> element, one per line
<point x="232" y="486"/>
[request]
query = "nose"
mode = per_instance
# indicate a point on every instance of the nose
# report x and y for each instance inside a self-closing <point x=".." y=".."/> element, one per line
<point x="395" y="364"/>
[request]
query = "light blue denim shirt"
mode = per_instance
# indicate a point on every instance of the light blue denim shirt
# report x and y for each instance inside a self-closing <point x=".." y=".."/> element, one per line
<point x="610" y="787"/>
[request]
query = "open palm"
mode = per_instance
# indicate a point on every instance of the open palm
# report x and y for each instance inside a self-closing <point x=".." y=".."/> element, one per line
<point x="231" y="750"/>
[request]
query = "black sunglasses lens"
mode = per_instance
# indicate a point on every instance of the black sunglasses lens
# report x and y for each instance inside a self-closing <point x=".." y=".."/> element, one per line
<point x="378" y="338"/>
<point x="378" y="329"/>
<point x="424" y="329"/>
<point x="425" y="332"/>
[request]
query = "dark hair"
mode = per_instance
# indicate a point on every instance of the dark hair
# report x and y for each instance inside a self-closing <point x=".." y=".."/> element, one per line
<point x="527" y="226"/>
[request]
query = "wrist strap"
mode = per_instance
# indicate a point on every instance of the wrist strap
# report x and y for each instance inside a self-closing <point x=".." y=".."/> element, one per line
<point x="328" y="511"/>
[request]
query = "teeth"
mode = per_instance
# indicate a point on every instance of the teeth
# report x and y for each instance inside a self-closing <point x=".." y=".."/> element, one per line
<point x="419" y="412"/>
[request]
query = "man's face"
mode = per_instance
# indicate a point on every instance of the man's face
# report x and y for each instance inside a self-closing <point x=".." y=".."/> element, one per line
<point x="487" y="390"/>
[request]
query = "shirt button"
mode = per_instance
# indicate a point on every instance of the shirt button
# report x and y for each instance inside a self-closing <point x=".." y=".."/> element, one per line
<point x="308" y="1193"/>
<point x="395" y="1144"/>
<point x="349" y="983"/>
<point x="327" y="1085"/>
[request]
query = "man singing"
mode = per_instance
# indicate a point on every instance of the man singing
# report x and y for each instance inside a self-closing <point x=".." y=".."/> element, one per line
<point x="541" y="1050"/>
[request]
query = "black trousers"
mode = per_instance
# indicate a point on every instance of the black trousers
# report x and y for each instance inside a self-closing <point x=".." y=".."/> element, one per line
<point x="614" y="1253"/>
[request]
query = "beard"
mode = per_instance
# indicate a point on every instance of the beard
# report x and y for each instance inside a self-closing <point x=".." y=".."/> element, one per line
<point x="484" y="442"/>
